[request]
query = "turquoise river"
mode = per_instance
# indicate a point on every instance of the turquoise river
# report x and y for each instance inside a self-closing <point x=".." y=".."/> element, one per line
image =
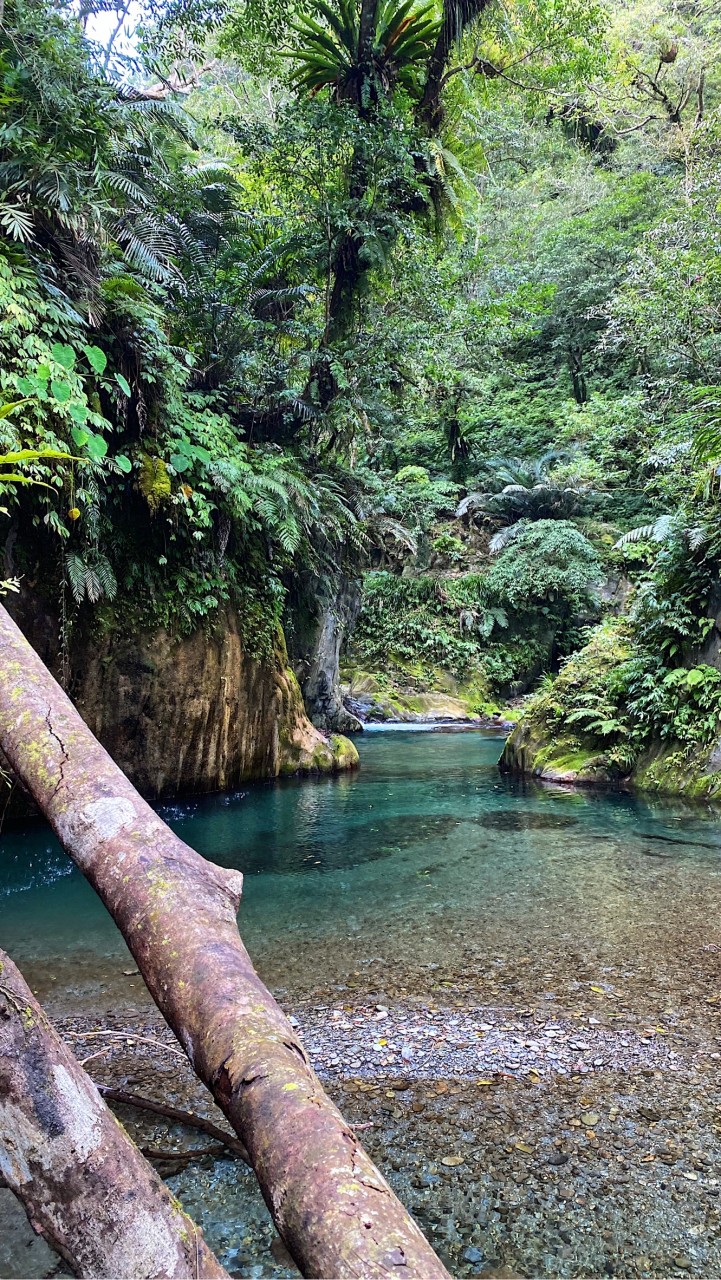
<point x="517" y="979"/>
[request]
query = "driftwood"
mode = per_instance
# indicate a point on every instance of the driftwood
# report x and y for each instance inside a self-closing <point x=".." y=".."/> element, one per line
<point x="177" y="912"/>
<point x="179" y="1117"/>
<point x="85" y="1187"/>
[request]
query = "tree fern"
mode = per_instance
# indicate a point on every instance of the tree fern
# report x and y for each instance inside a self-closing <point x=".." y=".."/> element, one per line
<point x="664" y="529"/>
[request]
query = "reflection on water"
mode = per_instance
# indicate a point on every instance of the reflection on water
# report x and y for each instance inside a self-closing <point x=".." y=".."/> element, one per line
<point x="425" y="855"/>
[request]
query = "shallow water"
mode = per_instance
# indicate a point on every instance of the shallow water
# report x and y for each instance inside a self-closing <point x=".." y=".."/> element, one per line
<point x="425" y="851"/>
<point x="428" y="880"/>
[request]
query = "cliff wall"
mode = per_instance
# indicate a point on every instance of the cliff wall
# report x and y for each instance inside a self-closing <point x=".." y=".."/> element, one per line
<point x="191" y="714"/>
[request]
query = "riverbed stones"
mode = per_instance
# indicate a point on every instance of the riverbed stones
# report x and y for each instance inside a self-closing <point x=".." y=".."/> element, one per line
<point x="639" y="1189"/>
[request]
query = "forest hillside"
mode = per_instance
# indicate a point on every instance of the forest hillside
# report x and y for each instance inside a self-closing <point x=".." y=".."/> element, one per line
<point x="396" y="334"/>
<point x="360" y="374"/>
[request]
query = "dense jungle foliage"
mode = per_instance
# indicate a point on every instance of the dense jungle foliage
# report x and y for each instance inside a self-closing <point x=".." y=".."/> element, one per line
<point x="425" y="291"/>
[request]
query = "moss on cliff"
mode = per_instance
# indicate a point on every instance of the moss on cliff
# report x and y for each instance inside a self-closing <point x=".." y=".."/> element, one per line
<point x="665" y="768"/>
<point x="670" y="770"/>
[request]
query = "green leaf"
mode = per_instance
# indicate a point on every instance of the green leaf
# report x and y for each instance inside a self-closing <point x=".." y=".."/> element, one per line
<point x="179" y="462"/>
<point x="97" y="448"/>
<point x="676" y="677"/>
<point x="63" y="355"/>
<point x="97" y="359"/>
<point x="80" y="437"/>
<point x="61" y="391"/>
<point x="32" y="455"/>
<point x="124" y="463"/>
<point x="123" y="384"/>
<point x="7" y="409"/>
<point x="78" y="411"/>
<point x="8" y="477"/>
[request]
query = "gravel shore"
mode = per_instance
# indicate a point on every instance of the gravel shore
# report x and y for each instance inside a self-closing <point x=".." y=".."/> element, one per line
<point x="526" y="1145"/>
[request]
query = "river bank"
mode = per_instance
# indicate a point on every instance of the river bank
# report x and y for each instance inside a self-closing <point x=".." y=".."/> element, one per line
<point x="526" y="1143"/>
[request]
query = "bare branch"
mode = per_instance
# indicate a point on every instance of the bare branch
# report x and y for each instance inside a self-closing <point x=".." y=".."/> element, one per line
<point x="189" y="1118"/>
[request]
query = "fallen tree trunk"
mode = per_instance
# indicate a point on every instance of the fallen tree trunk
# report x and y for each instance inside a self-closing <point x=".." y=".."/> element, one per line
<point x="85" y="1187"/>
<point x="177" y="912"/>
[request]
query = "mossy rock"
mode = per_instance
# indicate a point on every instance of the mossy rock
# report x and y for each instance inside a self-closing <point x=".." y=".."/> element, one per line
<point x="345" y="753"/>
<point x="414" y="694"/>
<point x="669" y="769"/>
<point x="528" y="752"/>
<point x="666" y="768"/>
<point x="357" y="681"/>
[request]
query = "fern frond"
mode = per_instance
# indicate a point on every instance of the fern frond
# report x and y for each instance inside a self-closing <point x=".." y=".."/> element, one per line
<point x="658" y="531"/>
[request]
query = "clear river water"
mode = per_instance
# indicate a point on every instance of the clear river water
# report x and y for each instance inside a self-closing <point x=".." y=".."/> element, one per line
<point x="521" y="975"/>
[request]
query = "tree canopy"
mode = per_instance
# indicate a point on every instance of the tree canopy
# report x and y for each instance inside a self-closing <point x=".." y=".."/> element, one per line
<point x="294" y="285"/>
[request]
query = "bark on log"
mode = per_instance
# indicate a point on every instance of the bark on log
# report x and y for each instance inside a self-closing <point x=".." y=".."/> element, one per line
<point x="177" y="912"/>
<point x="85" y="1187"/>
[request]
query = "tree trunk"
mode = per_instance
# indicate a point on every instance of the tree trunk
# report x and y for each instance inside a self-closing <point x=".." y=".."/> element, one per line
<point x="336" y="1214"/>
<point x="366" y="30"/>
<point x="457" y="16"/>
<point x="85" y="1186"/>
<point x="337" y="612"/>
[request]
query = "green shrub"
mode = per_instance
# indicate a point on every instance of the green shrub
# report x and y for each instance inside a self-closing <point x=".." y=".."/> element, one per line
<point x="446" y="544"/>
<point x="549" y="564"/>
<point x="617" y="697"/>
<point x="505" y="621"/>
<point x="682" y="705"/>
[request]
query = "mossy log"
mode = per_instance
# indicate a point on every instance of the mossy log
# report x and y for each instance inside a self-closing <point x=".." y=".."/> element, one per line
<point x="85" y="1186"/>
<point x="177" y="913"/>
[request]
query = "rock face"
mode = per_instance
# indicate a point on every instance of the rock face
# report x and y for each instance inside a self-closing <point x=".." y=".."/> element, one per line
<point x="364" y="693"/>
<point x="319" y="668"/>
<point x="196" y="714"/>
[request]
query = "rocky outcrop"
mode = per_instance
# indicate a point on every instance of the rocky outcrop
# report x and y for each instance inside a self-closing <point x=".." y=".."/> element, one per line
<point x="374" y="703"/>
<point x="528" y="753"/>
<point x="318" y="667"/>
<point x="196" y="713"/>
<point x="377" y="699"/>
<point x="666" y="768"/>
<point x="557" y="739"/>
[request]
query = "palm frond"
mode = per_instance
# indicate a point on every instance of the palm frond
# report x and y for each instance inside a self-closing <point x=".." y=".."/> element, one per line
<point x="504" y="536"/>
